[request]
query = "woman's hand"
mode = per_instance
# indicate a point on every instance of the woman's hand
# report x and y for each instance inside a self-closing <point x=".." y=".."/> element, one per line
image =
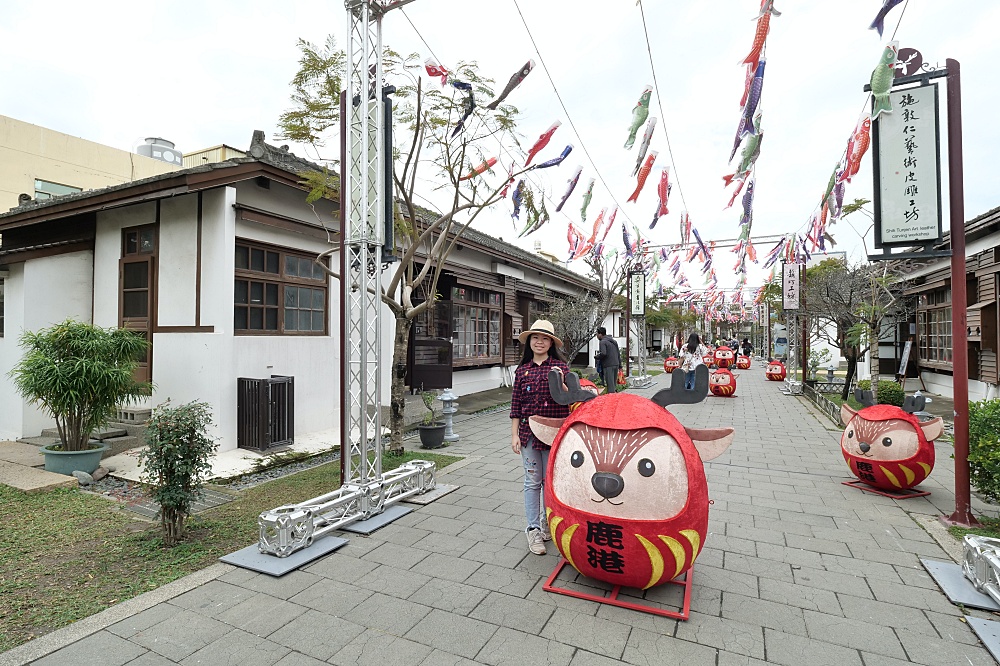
<point x="515" y="444"/>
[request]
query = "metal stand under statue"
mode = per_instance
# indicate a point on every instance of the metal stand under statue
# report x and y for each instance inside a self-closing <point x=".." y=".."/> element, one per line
<point x="366" y="493"/>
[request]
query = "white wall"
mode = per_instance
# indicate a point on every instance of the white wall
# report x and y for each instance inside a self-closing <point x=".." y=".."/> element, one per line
<point x="177" y="261"/>
<point x="38" y="293"/>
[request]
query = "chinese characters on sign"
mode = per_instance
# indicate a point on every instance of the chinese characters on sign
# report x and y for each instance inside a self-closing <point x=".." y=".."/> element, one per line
<point x="908" y="191"/>
<point x="638" y="289"/>
<point x="790" y="286"/>
<point x="604" y="540"/>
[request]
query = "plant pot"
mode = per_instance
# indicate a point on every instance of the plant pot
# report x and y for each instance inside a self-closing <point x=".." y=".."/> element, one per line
<point x="432" y="436"/>
<point x="67" y="462"/>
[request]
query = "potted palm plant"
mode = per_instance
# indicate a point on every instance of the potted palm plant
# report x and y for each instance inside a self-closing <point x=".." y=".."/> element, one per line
<point x="431" y="430"/>
<point x="79" y="374"/>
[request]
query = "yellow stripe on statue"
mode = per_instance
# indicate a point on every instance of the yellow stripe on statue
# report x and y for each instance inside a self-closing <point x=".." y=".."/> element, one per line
<point x="566" y="538"/>
<point x="695" y="540"/>
<point x="908" y="473"/>
<point x="926" y="468"/>
<point x="678" y="550"/>
<point x="889" y="475"/>
<point x="655" y="561"/>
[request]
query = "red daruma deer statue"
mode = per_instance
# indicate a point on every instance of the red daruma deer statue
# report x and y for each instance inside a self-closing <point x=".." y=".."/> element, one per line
<point x="722" y="383"/>
<point x="887" y="447"/>
<point x="724" y="357"/>
<point x="671" y="363"/>
<point x="625" y="491"/>
<point x="743" y="362"/>
<point x="775" y="371"/>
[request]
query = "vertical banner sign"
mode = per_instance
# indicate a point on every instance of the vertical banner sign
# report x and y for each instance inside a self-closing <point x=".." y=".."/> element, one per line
<point x="638" y="289"/>
<point x="907" y="169"/>
<point x="790" y="286"/>
<point x="907" y="346"/>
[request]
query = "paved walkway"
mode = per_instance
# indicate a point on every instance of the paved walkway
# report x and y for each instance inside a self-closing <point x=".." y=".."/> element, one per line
<point x="797" y="569"/>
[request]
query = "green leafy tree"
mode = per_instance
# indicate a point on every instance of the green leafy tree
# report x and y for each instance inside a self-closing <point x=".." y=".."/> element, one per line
<point x="176" y="462"/>
<point x="79" y="374"/>
<point x="423" y="124"/>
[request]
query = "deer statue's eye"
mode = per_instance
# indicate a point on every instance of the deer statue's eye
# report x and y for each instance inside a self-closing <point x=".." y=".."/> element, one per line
<point x="887" y="441"/>
<point x="850" y="434"/>
<point x="576" y="459"/>
<point x="646" y="467"/>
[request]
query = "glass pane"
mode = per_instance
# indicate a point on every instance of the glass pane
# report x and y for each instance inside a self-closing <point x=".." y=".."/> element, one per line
<point x="146" y="240"/>
<point x="272" y="262"/>
<point x="135" y="304"/>
<point x="271" y="319"/>
<point x="240" y="320"/>
<point x="136" y="276"/>
<point x="132" y="242"/>
<point x="256" y="319"/>
<point x="317" y="318"/>
<point x="317" y="295"/>
<point x="318" y="271"/>
<point x="256" y="260"/>
<point x="242" y="256"/>
<point x="291" y="266"/>
<point x="257" y="293"/>
<point x="272" y="294"/>
<point x="291" y="297"/>
<point x="291" y="320"/>
<point x="242" y="291"/>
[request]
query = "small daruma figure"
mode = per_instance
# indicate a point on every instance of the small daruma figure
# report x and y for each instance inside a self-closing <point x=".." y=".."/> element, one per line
<point x="722" y="383"/>
<point x="625" y="493"/>
<point x="671" y="363"/>
<point x="724" y="357"/>
<point x="709" y="359"/>
<point x="887" y="447"/>
<point x="743" y="362"/>
<point x="775" y="371"/>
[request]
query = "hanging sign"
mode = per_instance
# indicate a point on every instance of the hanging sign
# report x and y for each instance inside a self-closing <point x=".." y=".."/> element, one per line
<point x="907" y="169"/>
<point x="637" y="282"/>
<point x="790" y="286"/>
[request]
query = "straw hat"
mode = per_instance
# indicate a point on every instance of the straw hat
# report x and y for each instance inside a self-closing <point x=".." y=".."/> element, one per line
<point x="540" y="327"/>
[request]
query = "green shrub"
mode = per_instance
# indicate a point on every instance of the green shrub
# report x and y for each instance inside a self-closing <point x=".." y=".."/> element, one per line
<point x="889" y="392"/>
<point x="984" y="448"/>
<point x="177" y="461"/>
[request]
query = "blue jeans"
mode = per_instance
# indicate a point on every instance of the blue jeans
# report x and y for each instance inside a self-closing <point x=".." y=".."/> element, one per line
<point x="535" y="462"/>
<point x="689" y="380"/>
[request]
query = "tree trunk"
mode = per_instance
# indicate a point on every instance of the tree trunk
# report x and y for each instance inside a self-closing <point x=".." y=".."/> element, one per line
<point x="852" y="366"/>
<point x="873" y="337"/>
<point x="397" y="391"/>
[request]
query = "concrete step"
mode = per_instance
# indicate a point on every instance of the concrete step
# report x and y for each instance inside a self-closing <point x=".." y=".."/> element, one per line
<point x="39" y="441"/>
<point x="33" y="479"/>
<point x="121" y="444"/>
<point x="21" y="454"/>
<point x="131" y="429"/>
<point x="102" y="434"/>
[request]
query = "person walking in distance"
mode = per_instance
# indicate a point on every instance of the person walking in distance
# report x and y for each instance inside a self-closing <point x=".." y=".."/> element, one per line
<point x="692" y="355"/>
<point x="611" y="358"/>
<point x="531" y="397"/>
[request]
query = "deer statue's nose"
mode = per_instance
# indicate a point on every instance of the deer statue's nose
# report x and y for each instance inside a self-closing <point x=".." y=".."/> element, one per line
<point x="864" y="446"/>
<point x="607" y="484"/>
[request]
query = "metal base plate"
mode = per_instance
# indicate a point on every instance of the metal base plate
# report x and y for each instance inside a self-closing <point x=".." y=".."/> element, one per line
<point x="956" y="586"/>
<point x="251" y="558"/>
<point x="910" y="493"/>
<point x="988" y="632"/>
<point x="440" y="490"/>
<point x="390" y="514"/>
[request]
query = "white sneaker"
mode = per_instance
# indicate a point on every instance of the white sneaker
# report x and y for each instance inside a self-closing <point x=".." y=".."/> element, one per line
<point x="535" y="543"/>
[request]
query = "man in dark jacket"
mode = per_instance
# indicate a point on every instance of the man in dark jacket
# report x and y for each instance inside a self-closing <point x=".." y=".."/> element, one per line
<point x="607" y="352"/>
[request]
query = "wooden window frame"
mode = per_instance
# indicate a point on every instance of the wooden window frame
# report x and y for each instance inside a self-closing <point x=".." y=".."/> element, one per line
<point x="465" y="300"/>
<point x="934" y="330"/>
<point x="281" y="280"/>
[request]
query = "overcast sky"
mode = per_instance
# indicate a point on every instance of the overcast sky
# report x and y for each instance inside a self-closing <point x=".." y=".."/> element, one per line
<point x="210" y="72"/>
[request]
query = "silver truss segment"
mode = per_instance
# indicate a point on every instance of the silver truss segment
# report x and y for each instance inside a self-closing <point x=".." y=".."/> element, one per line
<point x="981" y="564"/>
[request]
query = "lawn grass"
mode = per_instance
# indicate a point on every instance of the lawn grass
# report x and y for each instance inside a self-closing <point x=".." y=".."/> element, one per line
<point x="990" y="528"/>
<point x="67" y="554"/>
<point x="835" y="397"/>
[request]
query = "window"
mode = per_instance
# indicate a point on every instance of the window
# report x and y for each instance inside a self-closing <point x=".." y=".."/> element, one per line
<point x="278" y="291"/>
<point x="934" y="326"/>
<point x="475" y="323"/>
<point x="621" y="326"/>
<point x="46" y="190"/>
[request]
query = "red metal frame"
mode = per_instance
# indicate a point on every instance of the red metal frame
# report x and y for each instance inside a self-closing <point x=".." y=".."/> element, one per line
<point x="894" y="494"/>
<point x="611" y="598"/>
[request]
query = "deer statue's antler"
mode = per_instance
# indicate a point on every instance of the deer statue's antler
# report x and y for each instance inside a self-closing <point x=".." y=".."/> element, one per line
<point x="677" y="394"/>
<point x="914" y="403"/>
<point x="561" y="395"/>
<point x="864" y="397"/>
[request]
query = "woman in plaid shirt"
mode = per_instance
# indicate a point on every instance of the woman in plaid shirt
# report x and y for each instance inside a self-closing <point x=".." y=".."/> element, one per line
<point x="531" y="397"/>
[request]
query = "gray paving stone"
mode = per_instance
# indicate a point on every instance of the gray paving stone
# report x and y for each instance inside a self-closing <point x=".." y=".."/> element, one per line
<point x="509" y="581"/>
<point x="756" y="566"/>
<point x="212" y="598"/>
<point x="933" y="651"/>
<point x="238" y="648"/>
<point x="393" y="581"/>
<point x="261" y="615"/>
<point x="395" y="555"/>
<point x="799" y="596"/>
<point x="283" y="587"/>
<point x="860" y="634"/>
<point x="752" y="533"/>
<point x="317" y="634"/>
<point x="460" y="635"/>
<point x="732" y="544"/>
<point x="753" y="611"/>
<point x="723" y="579"/>
<point x="834" y="582"/>
<point x="100" y="649"/>
<point x="885" y="614"/>
<point x="442" y="658"/>
<point x="724" y="634"/>
<point x="792" y="650"/>
<point x="181" y="635"/>
<point x="587" y="632"/>
<point x="793" y="556"/>
<point x="514" y="647"/>
<point x="298" y="659"/>
<point x="445" y="544"/>
<point x="584" y="658"/>
<point x="132" y="625"/>
<point x="495" y="553"/>
<point x="443" y="509"/>
<point x="850" y="566"/>
<point x="731" y="659"/>
<point x="445" y="566"/>
<point x="394" y="533"/>
<point x="449" y="596"/>
<point x="657" y="624"/>
<point x="389" y="614"/>
<point x="148" y="659"/>
<point x="648" y="648"/>
<point x="375" y="648"/>
<point x="916" y="597"/>
<point x="818" y="545"/>
<point x="443" y="525"/>
<point x="340" y="567"/>
<point x="321" y="597"/>
<point x="951" y="627"/>
<point x="487" y="533"/>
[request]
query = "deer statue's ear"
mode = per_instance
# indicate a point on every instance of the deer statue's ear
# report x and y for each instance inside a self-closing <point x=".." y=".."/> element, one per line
<point x="710" y="442"/>
<point x="544" y="428"/>
<point x="846" y="413"/>
<point x="932" y="429"/>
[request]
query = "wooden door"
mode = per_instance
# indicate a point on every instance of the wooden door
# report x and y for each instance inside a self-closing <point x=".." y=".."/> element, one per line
<point x="137" y="291"/>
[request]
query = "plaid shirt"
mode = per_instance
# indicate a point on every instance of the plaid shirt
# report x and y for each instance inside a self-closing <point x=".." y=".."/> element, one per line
<point x="531" y="397"/>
